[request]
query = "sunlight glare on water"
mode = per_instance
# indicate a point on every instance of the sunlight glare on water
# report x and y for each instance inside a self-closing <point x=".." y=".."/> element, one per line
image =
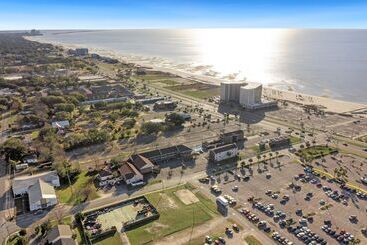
<point x="251" y="52"/>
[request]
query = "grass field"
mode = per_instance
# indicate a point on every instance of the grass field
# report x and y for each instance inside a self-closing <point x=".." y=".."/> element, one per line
<point x="201" y="94"/>
<point x="295" y="140"/>
<point x="251" y="240"/>
<point x="174" y="215"/>
<point x="76" y="193"/>
<point x="314" y="152"/>
<point x="113" y="240"/>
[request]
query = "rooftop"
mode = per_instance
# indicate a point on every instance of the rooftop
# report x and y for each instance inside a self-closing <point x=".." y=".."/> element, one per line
<point x="252" y="85"/>
<point x="59" y="231"/>
<point x="224" y="148"/>
<point x="39" y="191"/>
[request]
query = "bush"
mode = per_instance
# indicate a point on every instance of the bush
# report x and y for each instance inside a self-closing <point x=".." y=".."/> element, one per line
<point x="150" y="128"/>
<point x="67" y="107"/>
<point x="129" y="123"/>
<point x="90" y="137"/>
<point x="52" y="100"/>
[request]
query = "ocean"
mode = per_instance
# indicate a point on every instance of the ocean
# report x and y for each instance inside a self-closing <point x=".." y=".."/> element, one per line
<point x="331" y="63"/>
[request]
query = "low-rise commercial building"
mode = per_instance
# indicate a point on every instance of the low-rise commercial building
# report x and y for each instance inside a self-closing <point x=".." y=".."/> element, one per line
<point x="232" y="136"/>
<point x="168" y="153"/>
<point x="130" y="174"/>
<point x="164" y="105"/>
<point x="222" y="153"/>
<point x="39" y="188"/>
<point x="278" y="142"/>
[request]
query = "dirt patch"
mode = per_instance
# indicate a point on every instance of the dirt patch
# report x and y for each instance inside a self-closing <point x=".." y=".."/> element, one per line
<point x="156" y="227"/>
<point x="167" y="202"/>
<point x="186" y="196"/>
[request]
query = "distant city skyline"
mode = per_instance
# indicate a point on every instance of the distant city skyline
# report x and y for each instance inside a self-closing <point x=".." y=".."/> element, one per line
<point x="122" y="14"/>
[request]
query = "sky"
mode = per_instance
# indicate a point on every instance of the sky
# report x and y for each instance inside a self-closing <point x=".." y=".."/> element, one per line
<point x="131" y="14"/>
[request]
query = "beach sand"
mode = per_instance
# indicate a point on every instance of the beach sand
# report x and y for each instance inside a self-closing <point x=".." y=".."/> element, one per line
<point x="329" y="104"/>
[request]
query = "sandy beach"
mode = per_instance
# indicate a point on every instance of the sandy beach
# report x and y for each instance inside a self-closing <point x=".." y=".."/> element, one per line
<point x="329" y="104"/>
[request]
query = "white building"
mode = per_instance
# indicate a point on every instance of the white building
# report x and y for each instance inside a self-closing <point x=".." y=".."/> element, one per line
<point x="22" y="183"/>
<point x="223" y="153"/>
<point x="250" y="94"/>
<point x="41" y="195"/>
<point x="230" y="91"/>
<point x="60" y="124"/>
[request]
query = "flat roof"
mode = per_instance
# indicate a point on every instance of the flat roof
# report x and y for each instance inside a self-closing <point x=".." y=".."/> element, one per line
<point x="233" y="82"/>
<point x="252" y="85"/>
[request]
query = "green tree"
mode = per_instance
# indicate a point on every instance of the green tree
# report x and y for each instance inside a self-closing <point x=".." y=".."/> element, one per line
<point x="175" y="118"/>
<point x="13" y="149"/>
<point x="150" y="128"/>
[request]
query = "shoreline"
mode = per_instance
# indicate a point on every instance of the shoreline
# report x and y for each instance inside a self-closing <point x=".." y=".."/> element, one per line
<point x="329" y="104"/>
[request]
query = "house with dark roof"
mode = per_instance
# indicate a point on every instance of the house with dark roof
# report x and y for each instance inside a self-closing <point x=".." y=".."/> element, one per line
<point x="61" y="235"/>
<point x="130" y="174"/>
<point x="106" y="176"/>
<point x="222" y="153"/>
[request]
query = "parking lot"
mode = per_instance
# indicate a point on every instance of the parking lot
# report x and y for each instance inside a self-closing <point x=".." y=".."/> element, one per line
<point x="350" y="167"/>
<point x="296" y="198"/>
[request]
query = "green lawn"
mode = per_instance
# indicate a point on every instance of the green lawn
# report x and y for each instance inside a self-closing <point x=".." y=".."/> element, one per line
<point x="112" y="240"/>
<point x="314" y="152"/>
<point x="295" y="140"/>
<point x="201" y="94"/>
<point x="174" y="215"/>
<point x="77" y="192"/>
<point x="251" y="240"/>
<point x="167" y="82"/>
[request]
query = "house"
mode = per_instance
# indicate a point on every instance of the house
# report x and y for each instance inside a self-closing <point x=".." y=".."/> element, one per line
<point x="223" y="153"/>
<point x="30" y="159"/>
<point x="143" y="164"/>
<point x="41" y="195"/>
<point x="22" y="183"/>
<point x="130" y="174"/>
<point x="61" y="235"/>
<point x="106" y="176"/>
<point x="231" y="137"/>
<point x="61" y="124"/>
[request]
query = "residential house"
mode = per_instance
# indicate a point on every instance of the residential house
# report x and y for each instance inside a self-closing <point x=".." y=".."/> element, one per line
<point x="61" y="235"/>
<point x="30" y="159"/>
<point x="106" y="176"/>
<point x="61" y="124"/>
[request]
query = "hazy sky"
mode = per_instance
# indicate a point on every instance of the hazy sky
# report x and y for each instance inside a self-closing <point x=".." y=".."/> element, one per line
<point x="105" y="14"/>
